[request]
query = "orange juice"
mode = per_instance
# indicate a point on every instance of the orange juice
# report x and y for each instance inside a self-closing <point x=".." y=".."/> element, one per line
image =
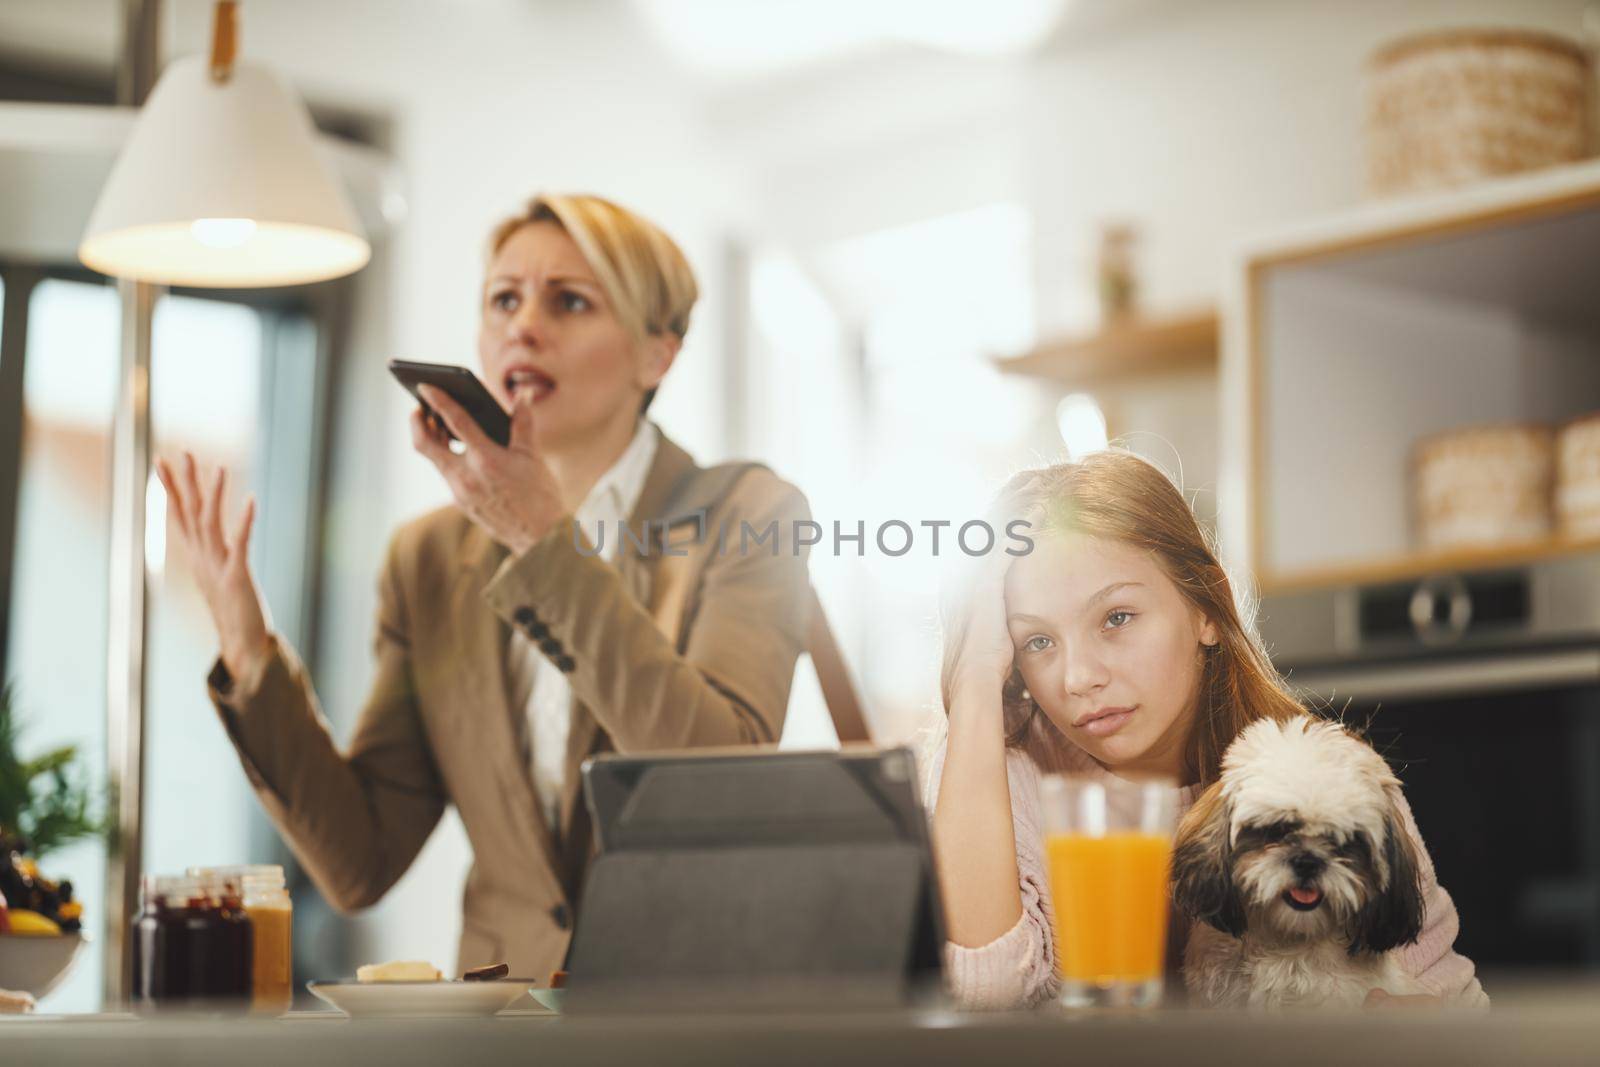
<point x="1110" y="897"/>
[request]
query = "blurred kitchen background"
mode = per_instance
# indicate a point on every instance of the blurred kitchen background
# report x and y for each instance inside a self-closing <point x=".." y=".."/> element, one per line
<point x="937" y="242"/>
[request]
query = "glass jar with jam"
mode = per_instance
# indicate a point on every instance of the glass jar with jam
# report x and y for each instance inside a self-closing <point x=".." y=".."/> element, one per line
<point x="160" y="963"/>
<point x="230" y="969"/>
<point x="266" y="903"/>
<point x="191" y="947"/>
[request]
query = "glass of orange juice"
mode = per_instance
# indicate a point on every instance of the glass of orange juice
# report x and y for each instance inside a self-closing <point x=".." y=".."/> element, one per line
<point x="1108" y="847"/>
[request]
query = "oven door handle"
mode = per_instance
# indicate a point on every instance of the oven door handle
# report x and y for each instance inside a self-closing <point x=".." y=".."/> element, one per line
<point x="1412" y="681"/>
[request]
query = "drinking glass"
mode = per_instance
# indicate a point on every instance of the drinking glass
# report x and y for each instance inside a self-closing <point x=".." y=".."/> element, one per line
<point x="1108" y="849"/>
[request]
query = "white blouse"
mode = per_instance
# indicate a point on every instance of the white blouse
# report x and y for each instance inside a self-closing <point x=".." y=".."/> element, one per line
<point x="534" y="682"/>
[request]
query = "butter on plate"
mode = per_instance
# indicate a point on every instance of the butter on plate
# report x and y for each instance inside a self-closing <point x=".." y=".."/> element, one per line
<point x="398" y="971"/>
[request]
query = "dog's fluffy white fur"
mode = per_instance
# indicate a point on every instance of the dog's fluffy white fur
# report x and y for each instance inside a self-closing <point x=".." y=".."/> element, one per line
<point x="1297" y="867"/>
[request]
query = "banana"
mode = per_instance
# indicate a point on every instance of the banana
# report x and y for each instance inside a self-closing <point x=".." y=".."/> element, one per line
<point x="32" y="924"/>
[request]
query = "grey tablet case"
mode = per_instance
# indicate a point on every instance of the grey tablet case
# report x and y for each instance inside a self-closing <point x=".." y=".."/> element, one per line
<point x="757" y="879"/>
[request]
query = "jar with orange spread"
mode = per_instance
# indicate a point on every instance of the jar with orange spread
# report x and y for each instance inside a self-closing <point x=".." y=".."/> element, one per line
<point x="271" y="914"/>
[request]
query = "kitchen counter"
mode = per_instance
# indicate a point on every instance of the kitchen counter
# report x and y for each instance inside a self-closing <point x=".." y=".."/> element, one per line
<point x="1532" y="1024"/>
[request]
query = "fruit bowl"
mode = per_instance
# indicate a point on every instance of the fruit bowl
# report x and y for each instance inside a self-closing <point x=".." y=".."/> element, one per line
<point x="36" y="963"/>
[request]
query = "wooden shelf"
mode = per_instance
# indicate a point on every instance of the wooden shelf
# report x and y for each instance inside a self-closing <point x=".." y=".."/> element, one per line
<point x="1139" y="347"/>
<point x="1418" y="565"/>
<point x="1348" y="334"/>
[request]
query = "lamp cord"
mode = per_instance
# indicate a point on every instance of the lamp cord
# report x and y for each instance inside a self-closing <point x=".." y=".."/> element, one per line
<point x="224" y="40"/>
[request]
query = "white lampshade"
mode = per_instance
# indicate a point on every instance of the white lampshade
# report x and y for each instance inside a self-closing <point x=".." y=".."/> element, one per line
<point x="220" y="185"/>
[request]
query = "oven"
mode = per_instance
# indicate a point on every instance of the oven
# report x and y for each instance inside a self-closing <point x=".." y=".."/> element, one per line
<point x="1483" y="690"/>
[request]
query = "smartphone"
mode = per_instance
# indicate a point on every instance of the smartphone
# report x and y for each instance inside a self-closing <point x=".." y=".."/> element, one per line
<point x="462" y="386"/>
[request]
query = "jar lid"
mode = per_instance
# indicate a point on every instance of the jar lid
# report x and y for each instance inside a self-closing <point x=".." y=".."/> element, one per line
<point x="217" y="884"/>
<point x="259" y="875"/>
<point x="169" y="887"/>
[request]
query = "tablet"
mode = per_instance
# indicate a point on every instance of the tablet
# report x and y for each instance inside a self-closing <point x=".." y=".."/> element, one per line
<point x="747" y="876"/>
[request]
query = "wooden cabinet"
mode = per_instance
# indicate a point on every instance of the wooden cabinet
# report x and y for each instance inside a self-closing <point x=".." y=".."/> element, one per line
<point x="1349" y="340"/>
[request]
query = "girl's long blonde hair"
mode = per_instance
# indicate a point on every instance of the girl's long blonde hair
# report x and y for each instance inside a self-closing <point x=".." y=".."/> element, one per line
<point x="1122" y="497"/>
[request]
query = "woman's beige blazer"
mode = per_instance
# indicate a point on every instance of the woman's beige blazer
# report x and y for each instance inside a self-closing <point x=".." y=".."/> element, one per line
<point x="680" y="643"/>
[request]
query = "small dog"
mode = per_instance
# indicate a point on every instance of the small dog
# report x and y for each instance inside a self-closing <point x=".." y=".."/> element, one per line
<point x="1299" y="872"/>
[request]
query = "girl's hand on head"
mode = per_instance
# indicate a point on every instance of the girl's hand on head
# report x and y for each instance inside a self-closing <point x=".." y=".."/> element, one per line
<point x="987" y="655"/>
<point x="509" y="492"/>
<point x="219" y="559"/>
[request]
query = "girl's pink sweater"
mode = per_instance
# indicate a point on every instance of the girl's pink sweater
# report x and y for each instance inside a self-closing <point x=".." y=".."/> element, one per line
<point x="1017" y="969"/>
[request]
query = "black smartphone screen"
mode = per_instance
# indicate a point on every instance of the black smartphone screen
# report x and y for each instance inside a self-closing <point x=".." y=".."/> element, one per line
<point x="462" y="386"/>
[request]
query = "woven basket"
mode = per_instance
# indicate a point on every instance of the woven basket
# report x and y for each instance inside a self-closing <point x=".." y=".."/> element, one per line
<point x="1484" y="486"/>
<point x="1578" y="477"/>
<point x="1451" y="107"/>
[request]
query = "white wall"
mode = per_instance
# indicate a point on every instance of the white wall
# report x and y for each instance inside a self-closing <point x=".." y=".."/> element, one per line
<point x="1213" y="121"/>
<point x="1205" y="124"/>
<point x="1202" y="123"/>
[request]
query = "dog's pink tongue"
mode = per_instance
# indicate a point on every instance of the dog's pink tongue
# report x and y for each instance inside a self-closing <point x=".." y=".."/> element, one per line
<point x="1305" y="896"/>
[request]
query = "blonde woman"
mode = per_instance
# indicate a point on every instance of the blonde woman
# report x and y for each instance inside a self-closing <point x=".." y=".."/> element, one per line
<point x="1113" y="648"/>
<point x="518" y="633"/>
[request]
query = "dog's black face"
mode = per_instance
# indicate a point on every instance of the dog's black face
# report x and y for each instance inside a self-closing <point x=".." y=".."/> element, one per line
<point x="1305" y="857"/>
<point x="1302" y="882"/>
<point x="1285" y="880"/>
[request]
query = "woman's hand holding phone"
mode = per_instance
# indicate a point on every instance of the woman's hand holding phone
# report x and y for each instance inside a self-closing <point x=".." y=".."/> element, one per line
<point x="218" y="557"/>
<point x="509" y="492"/>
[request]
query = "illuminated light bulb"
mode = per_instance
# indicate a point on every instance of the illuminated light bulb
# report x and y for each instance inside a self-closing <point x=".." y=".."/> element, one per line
<point x="173" y="210"/>
<point x="223" y="233"/>
<point x="1082" y="425"/>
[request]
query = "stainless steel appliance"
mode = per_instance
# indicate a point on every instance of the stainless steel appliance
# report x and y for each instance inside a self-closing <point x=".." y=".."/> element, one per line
<point x="1483" y="690"/>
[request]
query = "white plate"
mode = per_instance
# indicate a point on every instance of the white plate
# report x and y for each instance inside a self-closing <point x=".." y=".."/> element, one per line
<point x="363" y="1000"/>
<point x="549" y="998"/>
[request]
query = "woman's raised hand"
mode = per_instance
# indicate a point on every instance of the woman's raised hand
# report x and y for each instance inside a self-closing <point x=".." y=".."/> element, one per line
<point x="509" y="492"/>
<point x="218" y="557"/>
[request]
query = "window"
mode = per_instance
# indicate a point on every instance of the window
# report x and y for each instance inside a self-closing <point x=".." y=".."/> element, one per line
<point x="882" y="348"/>
<point x="206" y="363"/>
<point x="56" y="654"/>
<point x="228" y="374"/>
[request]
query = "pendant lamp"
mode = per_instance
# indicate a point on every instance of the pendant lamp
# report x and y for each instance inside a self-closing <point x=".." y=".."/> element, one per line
<point x="220" y="184"/>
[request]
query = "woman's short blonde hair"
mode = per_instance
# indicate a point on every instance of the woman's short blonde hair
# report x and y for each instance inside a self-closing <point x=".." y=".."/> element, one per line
<point x="645" y="275"/>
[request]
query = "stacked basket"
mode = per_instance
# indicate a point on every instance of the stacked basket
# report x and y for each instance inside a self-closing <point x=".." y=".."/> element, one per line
<point x="1577" y="497"/>
<point x="1489" y="486"/>
<point x="1450" y="107"/>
